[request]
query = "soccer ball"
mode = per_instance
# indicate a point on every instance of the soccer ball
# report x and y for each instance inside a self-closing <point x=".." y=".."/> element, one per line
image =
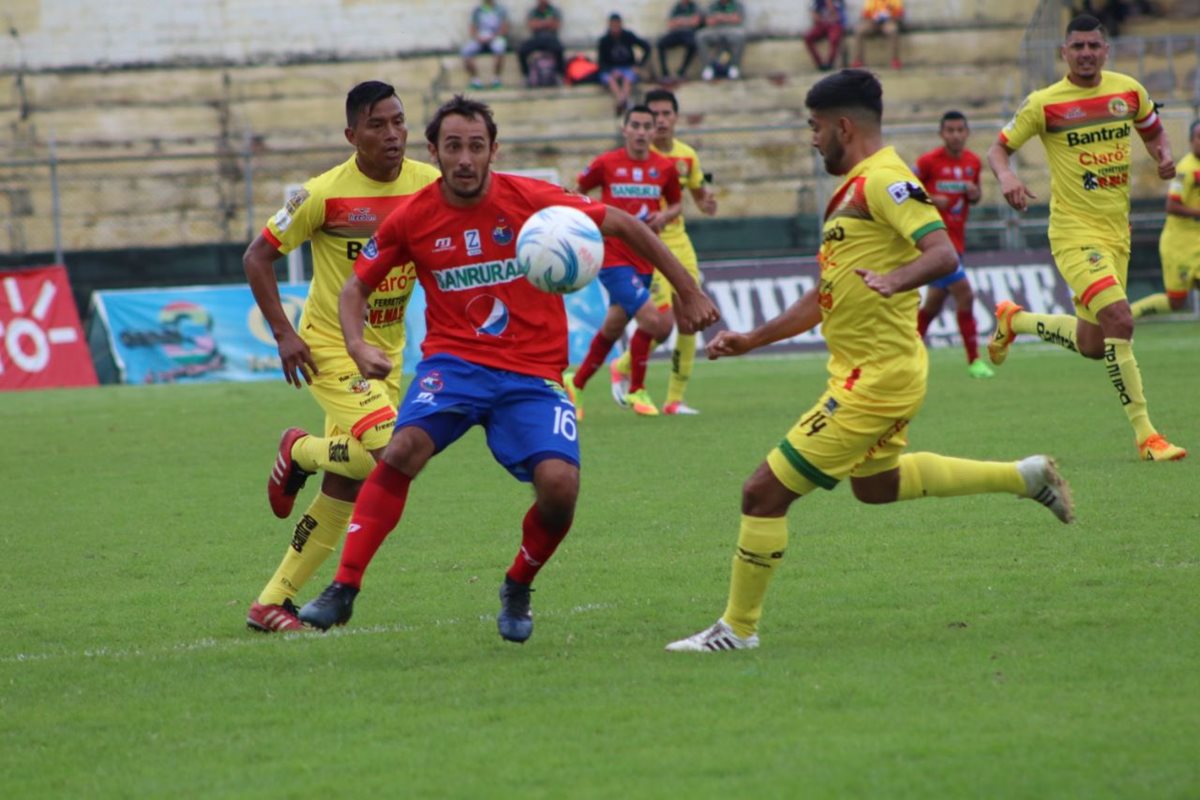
<point x="560" y="249"/>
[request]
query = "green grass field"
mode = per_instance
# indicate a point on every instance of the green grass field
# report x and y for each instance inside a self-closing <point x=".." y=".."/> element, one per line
<point x="935" y="649"/>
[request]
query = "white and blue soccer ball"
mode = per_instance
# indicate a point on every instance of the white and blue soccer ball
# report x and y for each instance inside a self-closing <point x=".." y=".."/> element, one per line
<point x="560" y="249"/>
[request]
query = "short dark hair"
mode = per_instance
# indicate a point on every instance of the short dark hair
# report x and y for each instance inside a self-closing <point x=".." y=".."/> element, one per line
<point x="850" y="88"/>
<point x="1085" y="23"/>
<point x="463" y="107"/>
<point x="657" y="95"/>
<point x="638" y="109"/>
<point x="1192" y="128"/>
<point x="363" y="97"/>
<point x="952" y="115"/>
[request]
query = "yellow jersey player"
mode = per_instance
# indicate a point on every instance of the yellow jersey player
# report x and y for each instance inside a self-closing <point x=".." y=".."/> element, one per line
<point x="338" y="212"/>
<point x="882" y="239"/>
<point x="1179" y="245"/>
<point x="665" y="108"/>
<point x="1087" y="122"/>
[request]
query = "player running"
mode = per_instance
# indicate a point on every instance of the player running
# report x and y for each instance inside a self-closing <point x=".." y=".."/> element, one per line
<point x="951" y="175"/>
<point x="1086" y="122"/>
<point x="493" y="354"/>
<point x="665" y="108"/>
<point x="1179" y="245"/>
<point x="337" y="211"/>
<point x="882" y="239"/>
<point x="644" y="183"/>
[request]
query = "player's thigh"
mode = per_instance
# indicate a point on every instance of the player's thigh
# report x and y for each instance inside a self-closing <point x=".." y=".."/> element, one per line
<point x="964" y="298"/>
<point x="446" y="398"/>
<point x="1096" y="274"/>
<point x="532" y="420"/>
<point x="354" y="405"/>
<point x="832" y="441"/>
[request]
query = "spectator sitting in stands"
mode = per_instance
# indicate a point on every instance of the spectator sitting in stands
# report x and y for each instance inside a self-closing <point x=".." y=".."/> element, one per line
<point x="543" y="22"/>
<point x="685" y="19"/>
<point x="879" y="16"/>
<point x="489" y="27"/>
<point x="828" y="22"/>
<point x="618" y="62"/>
<point x="722" y="33"/>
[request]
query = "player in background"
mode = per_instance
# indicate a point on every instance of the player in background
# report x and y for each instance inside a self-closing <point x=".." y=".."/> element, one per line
<point x="493" y="354"/>
<point x="1179" y="245"/>
<point x="1086" y="122"/>
<point x="644" y="183"/>
<point x="337" y="211"/>
<point x="951" y="175"/>
<point x="665" y="108"/>
<point x="882" y="239"/>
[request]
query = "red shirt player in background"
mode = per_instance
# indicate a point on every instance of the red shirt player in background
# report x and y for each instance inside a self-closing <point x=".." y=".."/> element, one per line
<point x="493" y="354"/>
<point x="951" y="177"/>
<point x="637" y="180"/>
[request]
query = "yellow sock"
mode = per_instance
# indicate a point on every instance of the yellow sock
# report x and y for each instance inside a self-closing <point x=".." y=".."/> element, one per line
<point x="761" y="542"/>
<point x="932" y="475"/>
<point x="1154" y="304"/>
<point x="342" y="455"/>
<point x="624" y="362"/>
<point x="317" y="535"/>
<point x="682" y="358"/>
<point x="1056" y="329"/>
<point x="1126" y="378"/>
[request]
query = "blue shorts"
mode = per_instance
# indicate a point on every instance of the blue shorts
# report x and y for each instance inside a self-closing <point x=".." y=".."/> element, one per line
<point x="959" y="274"/>
<point x="630" y="74"/>
<point x="527" y="420"/>
<point x="626" y="288"/>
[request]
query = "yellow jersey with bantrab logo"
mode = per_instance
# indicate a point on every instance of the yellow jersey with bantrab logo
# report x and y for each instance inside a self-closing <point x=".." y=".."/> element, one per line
<point x="691" y="177"/>
<point x="338" y="211"/>
<point x="872" y="222"/>
<point x="1185" y="188"/>
<point x="1089" y="135"/>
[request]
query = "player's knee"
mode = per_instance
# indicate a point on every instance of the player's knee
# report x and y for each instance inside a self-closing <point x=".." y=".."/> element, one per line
<point x="557" y="486"/>
<point x="409" y="450"/>
<point x="1177" y="301"/>
<point x="873" y="492"/>
<point x="764" y="496"/>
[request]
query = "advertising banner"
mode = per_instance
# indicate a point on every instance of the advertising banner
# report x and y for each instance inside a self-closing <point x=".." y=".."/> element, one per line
<point x="217" y="333"/>
<point x="41" y="342"/>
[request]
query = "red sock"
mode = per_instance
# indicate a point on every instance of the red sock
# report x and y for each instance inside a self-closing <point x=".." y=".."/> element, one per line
<point x="970" y="335"/>
<point x="595" y="359"/>
<point x="923" y="320"/>
<point x="639" y="353"/>
<point x="538" y="543"/>
<point x="377" y="510"/>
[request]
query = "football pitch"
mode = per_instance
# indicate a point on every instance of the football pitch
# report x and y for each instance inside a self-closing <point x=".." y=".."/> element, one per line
<point x="970" y="647"/>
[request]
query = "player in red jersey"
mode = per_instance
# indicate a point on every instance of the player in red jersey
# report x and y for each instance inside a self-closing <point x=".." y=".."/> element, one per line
<point x="951" y="177"/>
<point x="493" y="354"/>
<point x="638" y="180"/>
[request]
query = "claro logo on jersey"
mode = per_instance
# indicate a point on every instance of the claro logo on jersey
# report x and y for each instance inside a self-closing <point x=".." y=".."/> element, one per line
<point x="1102" y="135"/>
<point x="473" y="276"/>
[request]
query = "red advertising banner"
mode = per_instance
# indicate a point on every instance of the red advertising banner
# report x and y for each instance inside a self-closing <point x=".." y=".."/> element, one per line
<point x="41" y="342"/>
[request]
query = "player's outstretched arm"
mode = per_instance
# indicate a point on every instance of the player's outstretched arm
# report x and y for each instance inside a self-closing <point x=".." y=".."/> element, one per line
<point x="937" y="260"/>
<point x="295" y="358"/>
<point x="1015" y="192"/>
<point x="694" y="311"/>
<point x="352" y="307"/>
<point x="802" y="315"/>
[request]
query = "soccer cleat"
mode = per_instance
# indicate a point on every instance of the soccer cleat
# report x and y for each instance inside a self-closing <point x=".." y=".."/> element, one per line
<point x="642" y="404"/>
<point x="273" y="618"/>
<point x="620" y="384"/>
<point x="334" y="606"/>
<point x="713" y="639"/>
<point x="572" y="392"/>
<point x="1003" y="337"/>
<point x="978" y="369"/>
<point x="1045" y="485"/>
<point x="515" y="620"/>
<point x="287" y="479"/>
<point x="1156" y="448"/>
<point x="678" y="408"/>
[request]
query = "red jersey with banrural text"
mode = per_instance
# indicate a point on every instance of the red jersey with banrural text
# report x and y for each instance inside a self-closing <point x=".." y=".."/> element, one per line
<point x="634" y="186"/>
<point x="478" y="305"/>
<point x="950" y="176"/>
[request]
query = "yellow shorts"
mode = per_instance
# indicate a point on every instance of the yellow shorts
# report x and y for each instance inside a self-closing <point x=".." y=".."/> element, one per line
<point x="660" y="287"/>
<point x="1180" y="264"/>
<point x="832" y="441"/>
<point x="365" y="409"/>
<point x="1096" y="274"/>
